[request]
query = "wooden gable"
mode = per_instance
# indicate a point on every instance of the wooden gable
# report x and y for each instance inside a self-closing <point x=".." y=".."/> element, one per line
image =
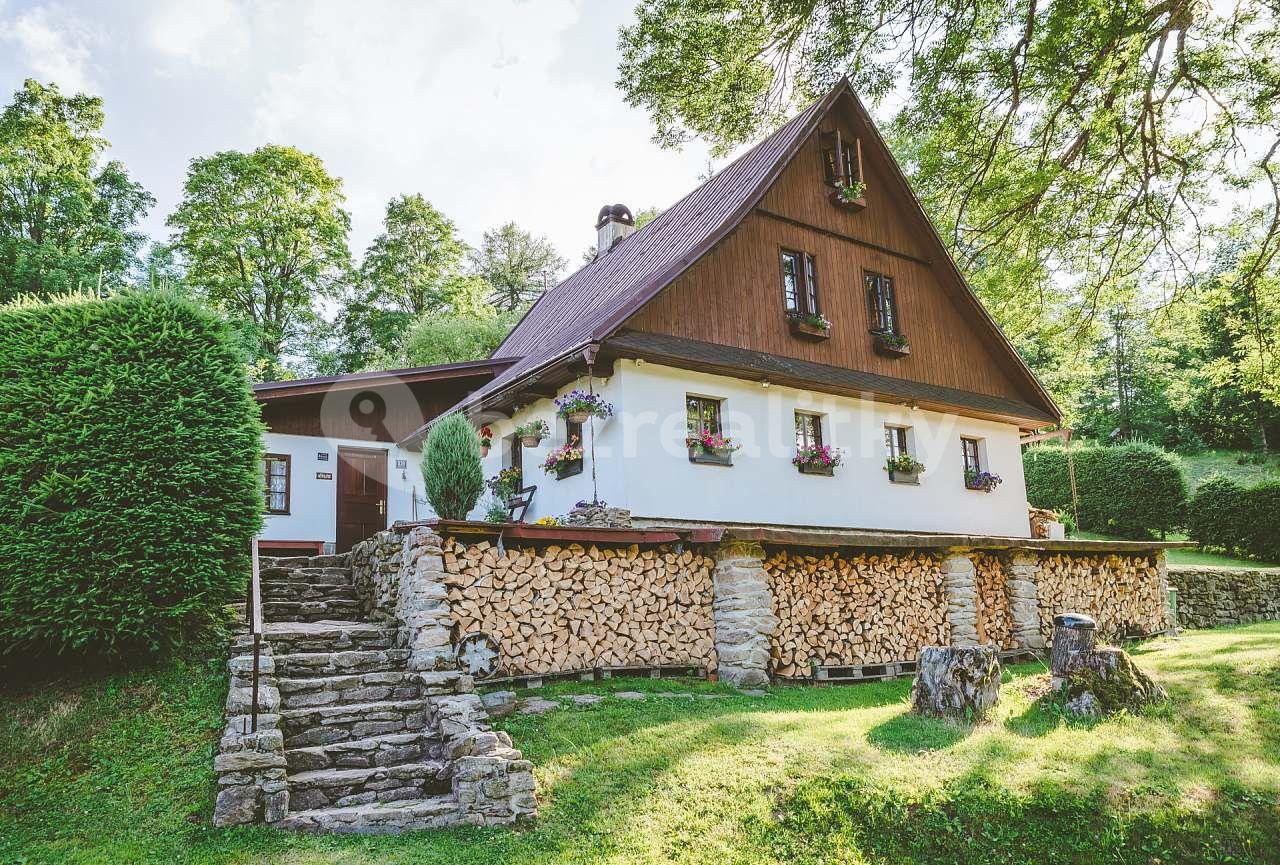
<point x="733" y="294"/>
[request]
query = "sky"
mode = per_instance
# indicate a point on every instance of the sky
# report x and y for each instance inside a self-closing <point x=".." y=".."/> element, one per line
<point x="494" y="110"/>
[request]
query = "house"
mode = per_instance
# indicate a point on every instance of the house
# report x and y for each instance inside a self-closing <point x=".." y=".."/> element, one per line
<point x="334" y="472"/>
<point x="799" y="297"/>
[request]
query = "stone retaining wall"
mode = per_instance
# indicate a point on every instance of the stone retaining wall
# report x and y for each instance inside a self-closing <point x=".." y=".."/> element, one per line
<point x="1210" y="597"/>
<point x="251" y="764"/>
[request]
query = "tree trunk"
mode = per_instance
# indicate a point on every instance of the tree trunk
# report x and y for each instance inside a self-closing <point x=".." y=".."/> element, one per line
<point x="1104" y="681"/>
<point x="1073" y="633"/>
<point x="960" y="682"/>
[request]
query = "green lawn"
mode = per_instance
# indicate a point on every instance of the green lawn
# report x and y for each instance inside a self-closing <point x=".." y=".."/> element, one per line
<point x="1199" y="467"/>
<point x="119" y="770"/>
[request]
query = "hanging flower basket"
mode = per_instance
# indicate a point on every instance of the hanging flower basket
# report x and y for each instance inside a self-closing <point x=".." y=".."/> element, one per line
<point x="579" y="405"/>
<point x="532" y="433"/>
<point x="486" y="441"/>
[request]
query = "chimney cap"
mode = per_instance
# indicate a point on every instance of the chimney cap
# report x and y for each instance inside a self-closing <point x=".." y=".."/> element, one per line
<point x="615" y="213"/>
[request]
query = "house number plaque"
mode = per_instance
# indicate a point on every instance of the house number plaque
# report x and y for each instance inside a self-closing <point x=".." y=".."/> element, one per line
<point x="324" y="476"/>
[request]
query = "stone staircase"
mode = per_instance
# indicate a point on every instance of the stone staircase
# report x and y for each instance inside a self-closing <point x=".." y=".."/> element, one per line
<point x="362" y="751"/>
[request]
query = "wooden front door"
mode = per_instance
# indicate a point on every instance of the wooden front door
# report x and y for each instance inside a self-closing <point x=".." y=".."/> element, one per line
<point x="362" y="495"/>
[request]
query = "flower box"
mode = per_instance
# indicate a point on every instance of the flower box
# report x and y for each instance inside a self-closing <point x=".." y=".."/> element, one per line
<point x="805" y="330"/>
<point x="854" y="204"/>
<point x="826" y="471"/>
<point x="568" y="468"/>
<point x="709" y="457"/>
<point x="887" y="345"/>
<point x="904" y="477"/>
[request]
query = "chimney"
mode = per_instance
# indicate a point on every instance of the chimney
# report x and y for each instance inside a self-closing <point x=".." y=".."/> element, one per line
<point x="614" y="223"/>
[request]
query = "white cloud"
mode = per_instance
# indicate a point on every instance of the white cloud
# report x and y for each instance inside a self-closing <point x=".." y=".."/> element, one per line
<point x="53" y="44"/>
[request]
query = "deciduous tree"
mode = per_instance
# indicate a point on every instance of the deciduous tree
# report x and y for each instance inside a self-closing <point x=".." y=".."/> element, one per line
<point x="518" y="265"/>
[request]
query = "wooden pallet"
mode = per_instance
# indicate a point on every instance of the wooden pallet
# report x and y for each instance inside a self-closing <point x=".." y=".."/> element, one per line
<point x="853" y="673"/>
<point x="537" y="680"/>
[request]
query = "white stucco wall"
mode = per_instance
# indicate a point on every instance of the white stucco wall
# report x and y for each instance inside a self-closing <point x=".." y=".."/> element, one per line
<point x="642" y="461"/>
<point x="313" y="505"/>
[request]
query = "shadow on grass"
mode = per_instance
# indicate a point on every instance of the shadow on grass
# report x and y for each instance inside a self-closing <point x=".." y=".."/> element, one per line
<point x="912" y="734"/>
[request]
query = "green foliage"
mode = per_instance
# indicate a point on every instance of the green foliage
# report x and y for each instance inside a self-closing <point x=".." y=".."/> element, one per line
<point x="264" y="235"/>
<point x="410" y="265"/>
<point x="1236" y="518"/>
<point x="66" y="218"/>
<point x="451" y="467"/>
<point x="1130" y="490"/>
<point x="435" y="339"/>
<point x="518" y="265"/>
<point x="129" y="478"/>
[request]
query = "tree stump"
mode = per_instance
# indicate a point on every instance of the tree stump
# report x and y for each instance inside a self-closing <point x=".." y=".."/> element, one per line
<point x="1105" y="681"/>
<point x="956" y="681"/>
<point x="1073" y="633"/>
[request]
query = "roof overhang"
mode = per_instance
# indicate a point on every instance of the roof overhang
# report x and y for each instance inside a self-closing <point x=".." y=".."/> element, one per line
<point x="806" y="375"/>
<point x="479" y="369"/>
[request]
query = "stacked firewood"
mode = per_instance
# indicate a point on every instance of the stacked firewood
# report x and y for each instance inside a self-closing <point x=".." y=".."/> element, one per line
<point x="995" y="620"/>
<point x="1123" y="593"/>
<point x="560" y="609"/>
<point x="865" y="609"/>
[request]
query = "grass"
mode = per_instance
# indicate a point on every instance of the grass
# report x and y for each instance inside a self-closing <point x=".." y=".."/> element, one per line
<point x="118" y="770"/>
<point x="1199" y="467"/>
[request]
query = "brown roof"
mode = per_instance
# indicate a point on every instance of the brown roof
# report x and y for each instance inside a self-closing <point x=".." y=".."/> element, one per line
<point x="268" y="390"/>
<point x="598" y="298"/>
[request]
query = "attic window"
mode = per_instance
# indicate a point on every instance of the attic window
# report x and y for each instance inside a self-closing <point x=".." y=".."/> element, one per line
<point x="842" y="170"/>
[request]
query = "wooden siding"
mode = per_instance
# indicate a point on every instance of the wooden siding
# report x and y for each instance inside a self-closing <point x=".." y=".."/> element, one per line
<point x="733" y="295"/>
<point x="338" y="414"/>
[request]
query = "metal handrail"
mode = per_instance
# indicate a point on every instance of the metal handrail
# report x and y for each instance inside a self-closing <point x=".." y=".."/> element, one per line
<point x="253" y="615"/>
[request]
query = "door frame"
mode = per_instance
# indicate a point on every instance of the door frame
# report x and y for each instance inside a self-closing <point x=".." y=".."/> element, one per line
<point x="337" y="493"/>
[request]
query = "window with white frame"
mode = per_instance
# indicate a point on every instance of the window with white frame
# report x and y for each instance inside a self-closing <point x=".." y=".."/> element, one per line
<point x="895" y="441"/>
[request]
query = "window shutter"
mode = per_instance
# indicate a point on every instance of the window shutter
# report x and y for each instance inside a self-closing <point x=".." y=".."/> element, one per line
<point x="811" y="284"/>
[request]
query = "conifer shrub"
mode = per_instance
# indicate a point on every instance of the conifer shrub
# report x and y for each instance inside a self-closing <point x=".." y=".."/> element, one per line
<point x="451" y="467"/>
<point x="130" y="485"/>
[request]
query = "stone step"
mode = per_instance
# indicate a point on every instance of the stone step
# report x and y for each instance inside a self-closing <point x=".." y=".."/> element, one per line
<point x="338" y="788"/>
<point x="378" y="818"/>
<point x="286" y="590"/>
<point x="358" y="688"/>
<point x="325" y="725"/>
<point x="303" y="665"/>
<point x="389" y="749"/>
<point x="306" y="576"/>
<point x="327" y="635"/>
<point x="341" y="560"/>
<point x="309" y="611"/>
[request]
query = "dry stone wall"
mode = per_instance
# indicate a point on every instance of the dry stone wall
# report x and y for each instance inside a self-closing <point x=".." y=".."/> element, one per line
<point x="564" y="608"/>
<point x="1212" y="597"/>
<point x="835" y="609"/>
<point x="1127" y="595"/>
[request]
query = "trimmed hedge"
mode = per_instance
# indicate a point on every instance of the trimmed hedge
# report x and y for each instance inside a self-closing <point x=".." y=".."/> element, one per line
<point x="129" y="479"/>
<point x="1132" y="490"/>
<point x="1236" y="518"/>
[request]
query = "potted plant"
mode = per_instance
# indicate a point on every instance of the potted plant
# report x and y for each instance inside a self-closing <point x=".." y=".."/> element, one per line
<point x="817" y="460"/>
<point x="850" y="194"/>
<point x="711" y="448"/>
<point x="578" y="405"/>
<point x="904" y="469"/>
<point x="532" y="433"/>
<point x="564" y="460"/>
<point x="892" y="345"/>
<point x="813" y="325"/>
<point x="983" y="481"/>
<point x="486" y="440"/>
<point x="505" y="484"/>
